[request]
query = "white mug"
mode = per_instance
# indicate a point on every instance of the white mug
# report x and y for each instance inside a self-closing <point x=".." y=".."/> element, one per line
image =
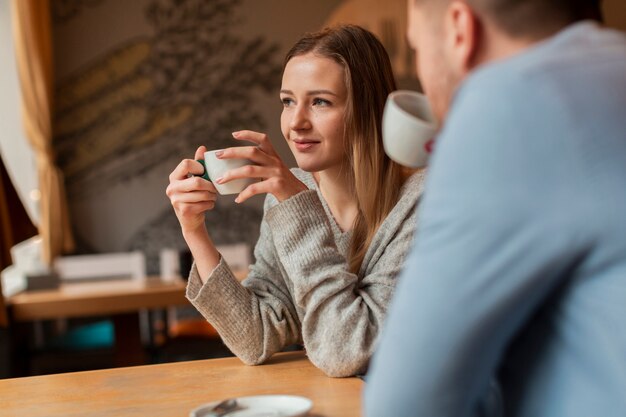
<point x="216" y="168"/>
<point x="409" y="128"/>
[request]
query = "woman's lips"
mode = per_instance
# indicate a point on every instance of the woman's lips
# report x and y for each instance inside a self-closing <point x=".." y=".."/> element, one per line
<point x="305" y="145"/>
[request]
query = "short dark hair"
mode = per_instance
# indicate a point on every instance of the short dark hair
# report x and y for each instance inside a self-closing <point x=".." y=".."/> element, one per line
<point x="521" y="18"/>
<point x="532" y="18"/>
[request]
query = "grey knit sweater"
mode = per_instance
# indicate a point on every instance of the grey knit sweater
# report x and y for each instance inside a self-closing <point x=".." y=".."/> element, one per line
<point x="300" y="289"/>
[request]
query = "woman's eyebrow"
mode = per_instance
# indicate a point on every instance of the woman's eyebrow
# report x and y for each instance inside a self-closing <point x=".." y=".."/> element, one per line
<point x="310" y="93"/>
<point x="316" y="92"/>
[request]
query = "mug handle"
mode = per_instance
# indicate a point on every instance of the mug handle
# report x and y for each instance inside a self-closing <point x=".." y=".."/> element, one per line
<point x="205" y="174"/>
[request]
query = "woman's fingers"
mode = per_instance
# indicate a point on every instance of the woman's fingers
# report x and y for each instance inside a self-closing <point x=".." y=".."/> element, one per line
<point x="190" y="184"/>
<point x="189" y="166"/>
<point x="185" y="209"/>
<point x="186" y="167"/>
<point x="248" y="171"/>
<point x="253" y="153"/>
<point x="260" y="139"/>
<point x="188" y="193"/>
<point x="196" y="184"/>
<point x="200" y="152"/>
<point x="193" y="197"/>
<point x="263" y="187"/>
<point x="250" y="191"/>
<point x="188" y="200"/>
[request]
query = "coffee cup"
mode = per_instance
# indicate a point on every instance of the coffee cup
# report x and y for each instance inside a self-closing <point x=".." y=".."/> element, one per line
<point x="409" y="128"/>
<point x="215" y="168"/>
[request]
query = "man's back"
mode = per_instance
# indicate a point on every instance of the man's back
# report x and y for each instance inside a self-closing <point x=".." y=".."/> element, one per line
<point x="520" y="261"/>
<point x="571" y="357"/>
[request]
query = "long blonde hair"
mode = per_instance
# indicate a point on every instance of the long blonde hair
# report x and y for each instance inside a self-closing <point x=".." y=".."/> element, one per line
<point x="369" y="80"/>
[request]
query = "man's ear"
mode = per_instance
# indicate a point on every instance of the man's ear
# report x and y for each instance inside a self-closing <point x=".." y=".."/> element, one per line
<point x="462" y="32"/>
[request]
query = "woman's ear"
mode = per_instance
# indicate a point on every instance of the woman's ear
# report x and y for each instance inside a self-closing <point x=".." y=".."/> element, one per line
<point x="462" y="37"/>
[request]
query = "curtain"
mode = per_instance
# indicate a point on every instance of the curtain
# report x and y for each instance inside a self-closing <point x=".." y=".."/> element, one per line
<point x="33" y="48"/>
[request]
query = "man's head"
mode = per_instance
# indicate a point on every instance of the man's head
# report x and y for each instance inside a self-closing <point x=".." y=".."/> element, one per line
<point x="453" y="37"/>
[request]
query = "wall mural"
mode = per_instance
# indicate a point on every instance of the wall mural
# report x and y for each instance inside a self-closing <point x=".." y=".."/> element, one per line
<point x="154" y="97"/>
<point x="161" y="78"/>
<point x="67" y="9"/>
<point x="118" y="118"/>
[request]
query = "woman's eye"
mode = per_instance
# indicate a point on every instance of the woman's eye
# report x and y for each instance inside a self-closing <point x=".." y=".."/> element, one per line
<point x="286" y="101"/>
<point x="320" y="102"/>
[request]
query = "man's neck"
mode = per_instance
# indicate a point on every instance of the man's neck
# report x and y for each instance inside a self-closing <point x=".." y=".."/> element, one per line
<point x="498" y="45"/>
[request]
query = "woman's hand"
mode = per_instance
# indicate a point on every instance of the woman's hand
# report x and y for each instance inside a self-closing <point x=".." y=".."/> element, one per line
<point x="276" y="179"/>
<point x="191" y="196"/>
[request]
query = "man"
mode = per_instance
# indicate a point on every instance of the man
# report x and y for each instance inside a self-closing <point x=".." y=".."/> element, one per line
<point x="519" y="266"/>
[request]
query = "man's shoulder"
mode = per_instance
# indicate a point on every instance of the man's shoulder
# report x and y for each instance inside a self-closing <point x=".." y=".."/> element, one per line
<point x="579" y="49"/>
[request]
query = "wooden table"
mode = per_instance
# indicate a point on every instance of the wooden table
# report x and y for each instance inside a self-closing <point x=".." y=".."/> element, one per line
<point x="119" y="299"/>
<point x="99" y="298"/>
<point x="176" y="388"/>
<point x="96" y="299"/>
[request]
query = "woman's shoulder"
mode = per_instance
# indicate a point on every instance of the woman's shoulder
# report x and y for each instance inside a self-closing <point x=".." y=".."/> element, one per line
<point x="413" y="186"/>
<point x="405" y="209"/>
<point x="401" y="221"/>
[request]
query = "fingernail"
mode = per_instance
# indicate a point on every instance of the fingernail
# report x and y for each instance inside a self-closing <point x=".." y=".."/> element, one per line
<point x="219" y="154"/>
<point x="237" y="200"/>
<point x="219" y="180"/>
<point x="235" y="134"/>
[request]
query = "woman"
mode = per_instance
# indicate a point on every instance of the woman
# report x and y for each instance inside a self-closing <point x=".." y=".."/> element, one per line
<point x="334" y="232"/>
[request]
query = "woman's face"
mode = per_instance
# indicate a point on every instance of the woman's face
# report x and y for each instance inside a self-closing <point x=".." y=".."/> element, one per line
<point x="314" y="98"/>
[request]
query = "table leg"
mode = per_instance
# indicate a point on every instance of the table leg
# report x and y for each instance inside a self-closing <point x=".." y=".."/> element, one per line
<point x="18" y="349"/>
<point x="5" y="350"/>
<point x="128" y="346"/>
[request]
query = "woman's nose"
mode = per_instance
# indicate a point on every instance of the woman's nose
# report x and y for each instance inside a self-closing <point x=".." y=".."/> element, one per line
<point x="300" y="119"/>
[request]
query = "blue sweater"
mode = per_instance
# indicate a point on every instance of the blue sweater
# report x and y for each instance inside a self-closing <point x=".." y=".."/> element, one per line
<point x="519" y="265"/>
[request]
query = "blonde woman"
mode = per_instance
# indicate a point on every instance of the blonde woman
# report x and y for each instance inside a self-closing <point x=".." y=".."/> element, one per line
<point x="335" y="230"/>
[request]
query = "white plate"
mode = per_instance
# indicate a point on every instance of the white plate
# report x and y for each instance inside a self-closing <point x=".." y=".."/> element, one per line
<point x="263" y="406"/>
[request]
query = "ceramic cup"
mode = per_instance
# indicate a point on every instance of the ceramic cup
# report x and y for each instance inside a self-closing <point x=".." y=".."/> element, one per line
<point x="215" y="168"/>
<point x="409" y="128"/>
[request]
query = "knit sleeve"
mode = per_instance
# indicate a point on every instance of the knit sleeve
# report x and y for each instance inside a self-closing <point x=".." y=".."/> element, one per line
<point x="255" y="319"/>
<point x="342" y="314"/>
